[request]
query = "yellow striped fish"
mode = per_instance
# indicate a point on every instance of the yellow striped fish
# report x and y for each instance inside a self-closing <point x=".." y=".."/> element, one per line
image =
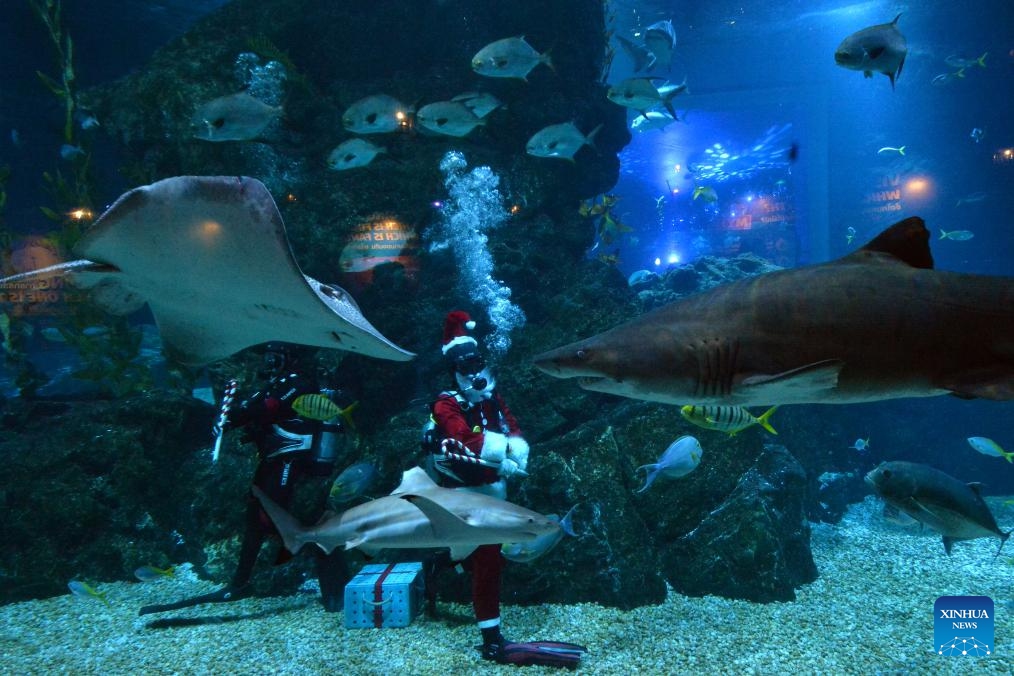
<point x="731" y="419"/>
<point x="318" y="406"/>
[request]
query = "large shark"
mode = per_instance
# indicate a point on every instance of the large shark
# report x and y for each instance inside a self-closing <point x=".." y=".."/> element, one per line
<point x="880" y="323"/>
<point x="210" y="256"/>
<point x="954" y="509"/>
<point x="417" y="514"/>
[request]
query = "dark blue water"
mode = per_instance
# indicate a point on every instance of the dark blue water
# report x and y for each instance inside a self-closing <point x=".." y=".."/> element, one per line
<point x="753" y="67"/>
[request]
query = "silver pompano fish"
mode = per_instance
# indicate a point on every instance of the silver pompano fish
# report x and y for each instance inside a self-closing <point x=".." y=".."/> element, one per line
<point x="353" y="153"/>
<point x="880" y="49"/>
<point x="417" y="514"/>
<point x="880" y="323"/>
<point x="450" y="118"/>
<point x="954" y="509"/>
<point x="237" y="117"/>
<point x="377" y="114"/>
<point x="480" y="103"/>
<point x="510" y="57"/>
<point x="641" y="94"/>
<point x="559" y="140"/>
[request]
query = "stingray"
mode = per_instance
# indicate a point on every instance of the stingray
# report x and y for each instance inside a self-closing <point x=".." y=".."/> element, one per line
<point x="210" y="256"/>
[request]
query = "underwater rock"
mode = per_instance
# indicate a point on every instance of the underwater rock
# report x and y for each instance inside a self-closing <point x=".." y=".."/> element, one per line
<point x="704" y="273"/>
<point x="756" y="544"/>
<point x="836" y="491"/>
<point x="610" y="561"/>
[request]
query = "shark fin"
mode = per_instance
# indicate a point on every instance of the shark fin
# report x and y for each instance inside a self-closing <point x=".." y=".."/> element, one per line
<point x="462" y="552"/>
<point x="821" y="375"/>
<point x="996" y="386"/>
<point x="443" y="522"/>
<point x="414" y="481"/>
<point x="906" y="240"/>
<point x="355" y="542"/>
<point x="288" y="526"/>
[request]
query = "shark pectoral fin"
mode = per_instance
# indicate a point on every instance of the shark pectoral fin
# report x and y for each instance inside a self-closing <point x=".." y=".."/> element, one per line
<point x="787" y="386"/>
<point x="444" y="523"/>
<point x="997" y="386"/>
<point x="355" y="542"/>
<point x="462" y="552"/>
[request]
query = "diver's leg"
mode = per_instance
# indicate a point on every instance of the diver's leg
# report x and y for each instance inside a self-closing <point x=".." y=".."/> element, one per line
<point x="332" y="574"/>
<point x="487" y="568"/>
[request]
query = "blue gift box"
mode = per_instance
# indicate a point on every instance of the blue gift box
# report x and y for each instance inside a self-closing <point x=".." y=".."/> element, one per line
<point x="384" y="595"/>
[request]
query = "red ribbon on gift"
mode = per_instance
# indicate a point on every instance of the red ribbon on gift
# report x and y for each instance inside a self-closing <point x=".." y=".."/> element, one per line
<point x="378" y="597"/>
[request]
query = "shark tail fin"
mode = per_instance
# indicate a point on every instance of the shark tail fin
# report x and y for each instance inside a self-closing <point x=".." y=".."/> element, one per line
<point x="763" y="421"/>
<point x="1003" y="541"/>
<point x="288" y="526"/>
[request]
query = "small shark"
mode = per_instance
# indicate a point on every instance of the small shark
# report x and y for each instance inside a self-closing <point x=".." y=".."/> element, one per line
<point x="417" y="514"/>
<point x="954" y="509"/>
<point x="880" y="323"/>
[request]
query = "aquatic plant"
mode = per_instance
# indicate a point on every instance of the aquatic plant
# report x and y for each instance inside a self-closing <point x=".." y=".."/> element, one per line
<point x="72" y="194"/>
<point x="474" y="207"/>
<point x="62" y="86"/>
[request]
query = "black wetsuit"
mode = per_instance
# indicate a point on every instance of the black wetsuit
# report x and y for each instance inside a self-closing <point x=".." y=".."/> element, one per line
<point x="287" y="446"/>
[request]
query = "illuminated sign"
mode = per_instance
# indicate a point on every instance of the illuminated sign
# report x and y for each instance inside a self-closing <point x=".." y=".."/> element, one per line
<point x="378" y="240"/>
<point x="41" y="295"/>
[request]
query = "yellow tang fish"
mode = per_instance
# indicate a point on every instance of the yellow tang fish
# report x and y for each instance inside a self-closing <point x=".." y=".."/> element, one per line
<point x="731" y="419"/>
<point x="318" y="406"/>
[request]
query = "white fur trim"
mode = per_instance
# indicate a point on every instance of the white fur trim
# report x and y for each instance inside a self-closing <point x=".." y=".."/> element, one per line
<point x="497" y="489"/>
<point x="489" y="624"/>
<point x="518" y="451"/>
<point x="459" y="340"/>
<point x="494" y="447"/>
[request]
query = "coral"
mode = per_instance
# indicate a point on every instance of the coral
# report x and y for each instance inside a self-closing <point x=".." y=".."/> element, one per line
<point x="474" y="208"/>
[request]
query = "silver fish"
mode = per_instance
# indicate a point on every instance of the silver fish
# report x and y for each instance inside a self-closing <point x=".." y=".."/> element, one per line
<point x="450" y="118"/>
<point x="376" y="114"/>
<point x="480" y="103"/>
<point x="641" y="94"/>
<point x="880" y="49"/>
<point x="681" y="458"/>
<point x="974" y="198"/>
<point x="559" y="140"/>
<point x="944" y="78"/>
<point x="237" y="117"/>
<point x="510" y="57"/>
<point x="955" y="61"/>
<point x="957" y="235"/>
<point x="651" y="119"/>
<point x="353" y="153"/>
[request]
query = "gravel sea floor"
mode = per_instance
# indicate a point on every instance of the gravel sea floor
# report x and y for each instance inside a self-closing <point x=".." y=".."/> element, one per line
<point x="870" y="612"/>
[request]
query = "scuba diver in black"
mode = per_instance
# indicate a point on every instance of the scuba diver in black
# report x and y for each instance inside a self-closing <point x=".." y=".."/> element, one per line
<point x="292" y="448"/>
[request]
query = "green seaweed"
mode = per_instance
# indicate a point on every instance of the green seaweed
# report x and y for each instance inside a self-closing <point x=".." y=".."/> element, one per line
<point x="62" y="86"/>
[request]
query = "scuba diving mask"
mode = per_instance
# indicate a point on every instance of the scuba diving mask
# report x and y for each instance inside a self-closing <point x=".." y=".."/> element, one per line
<point x="474" y="379"/>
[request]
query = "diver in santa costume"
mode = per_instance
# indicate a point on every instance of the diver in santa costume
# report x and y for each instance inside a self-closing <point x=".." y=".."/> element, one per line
<point x="474" y="443"/>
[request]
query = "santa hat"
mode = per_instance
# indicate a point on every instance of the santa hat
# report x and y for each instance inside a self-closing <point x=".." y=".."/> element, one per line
<point x="456" y="327"/>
